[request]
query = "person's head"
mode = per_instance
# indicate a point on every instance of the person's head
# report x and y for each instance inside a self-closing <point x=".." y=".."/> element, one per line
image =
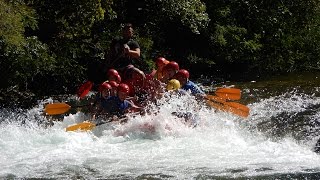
<point x="123" y="91"/>
<point x="182" y="76"/>
<point x="127" y="31"/>
<point x="161" y="62"/>
<point x="105" y="89"/>
<point x="114" y="89"/>
<point x="169" y="71"/>
<point x="173" y="84"/>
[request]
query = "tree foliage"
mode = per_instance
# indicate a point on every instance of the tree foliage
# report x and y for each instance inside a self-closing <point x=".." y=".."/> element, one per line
<point x="46" y="47"/>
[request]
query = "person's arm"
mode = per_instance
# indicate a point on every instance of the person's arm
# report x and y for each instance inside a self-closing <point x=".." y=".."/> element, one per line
<point x="134" y="108"/>
<point x="195" y="89"/>
<point x="134" y="53"/>
<point x="132" y="49"/>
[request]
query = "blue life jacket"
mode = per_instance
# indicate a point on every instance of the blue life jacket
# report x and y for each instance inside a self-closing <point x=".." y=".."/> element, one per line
<point x="192" y="87"/>
<point x="115" y="106"/>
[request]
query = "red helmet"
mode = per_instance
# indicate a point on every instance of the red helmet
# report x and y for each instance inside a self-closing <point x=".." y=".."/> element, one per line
<point x="123" y="88"/>
<point x="183" y="73"/>
<point x="171" y="65"/>
<point x="116" y="78"/>
<point x="112" y="72"/>
<point x="113" y="84"/>
<point x="104" y="86"/>
<point x="161" y="60"/>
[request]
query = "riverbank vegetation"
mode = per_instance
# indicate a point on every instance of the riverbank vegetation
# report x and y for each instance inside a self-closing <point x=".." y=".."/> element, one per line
<point x="46" y="47"/>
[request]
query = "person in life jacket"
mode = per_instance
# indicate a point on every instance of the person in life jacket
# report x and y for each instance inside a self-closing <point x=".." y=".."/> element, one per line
<point x="153" y="87"/>
<point x="160" y="63"/>
<point x="169" y="71"/>
<point x="190" y="119"/>
<point x="156" y="88"/>
<point x="174" y="86"/>
<point x="103" y="94"/>
<point x="136" y="80"/>
<point x="118" y="105"/>
<point x="183" y="77"/>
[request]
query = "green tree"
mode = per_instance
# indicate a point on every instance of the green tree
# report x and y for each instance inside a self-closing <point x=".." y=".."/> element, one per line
<point x="262" y="36"/>
<point x="15" y="16"/>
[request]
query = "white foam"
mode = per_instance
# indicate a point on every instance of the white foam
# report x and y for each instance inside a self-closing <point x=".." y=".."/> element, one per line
<point x="160" y="143"/>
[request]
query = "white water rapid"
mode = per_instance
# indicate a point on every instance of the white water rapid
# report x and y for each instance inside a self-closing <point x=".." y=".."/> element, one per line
<point x="221" y="145"/>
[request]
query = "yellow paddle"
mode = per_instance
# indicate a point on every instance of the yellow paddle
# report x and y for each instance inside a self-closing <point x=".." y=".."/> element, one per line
<point x="56" y="108"/>
<point x="84" y="126"/>
<point x="88" y="126"/>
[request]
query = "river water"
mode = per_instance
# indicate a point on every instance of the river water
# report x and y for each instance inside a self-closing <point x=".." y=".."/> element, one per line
<point x="276" y="141"/>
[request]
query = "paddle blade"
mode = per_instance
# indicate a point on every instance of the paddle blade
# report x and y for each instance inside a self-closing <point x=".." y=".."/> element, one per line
<point x="84" y="89"/>
<point x="216" y="98"/>
<point x="84" y="126"/>
<point x="235" y="108"/>
<point x="239" y="106"/>
<point x="229" y="93"/>
<point x="56" y="108"/>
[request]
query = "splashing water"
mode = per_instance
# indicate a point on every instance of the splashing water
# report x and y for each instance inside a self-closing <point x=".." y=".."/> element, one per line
<point x="160" y="145"/>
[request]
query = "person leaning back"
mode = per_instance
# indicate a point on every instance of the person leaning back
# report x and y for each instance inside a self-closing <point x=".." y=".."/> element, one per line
<point x="123" y="51"/>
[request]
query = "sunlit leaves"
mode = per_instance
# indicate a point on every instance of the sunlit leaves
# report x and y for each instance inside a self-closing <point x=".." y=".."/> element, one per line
<point x="22" y="64"/>
<point x="191" y="13"/>
<point x="74" y="18"/>
<point x="14" y="17"/>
